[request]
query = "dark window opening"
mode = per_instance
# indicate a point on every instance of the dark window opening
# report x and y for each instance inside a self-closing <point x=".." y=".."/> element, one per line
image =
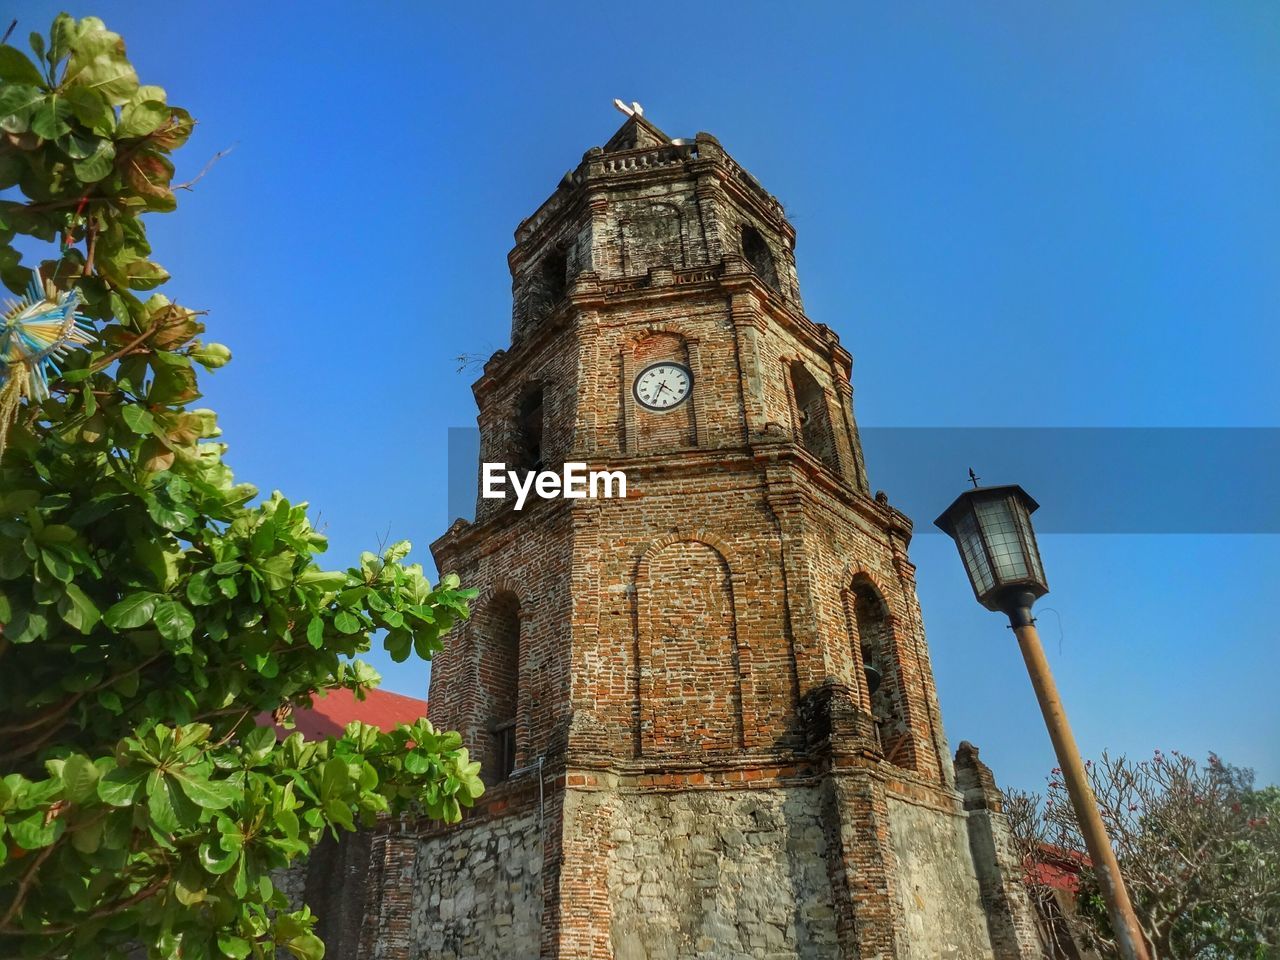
<point x="504" y="749"/>
<point x="529" y="431"/>
<point x="500" y="675"/>
<point x="756" y="252"/>
<point x="876" y="642"/>
<point x="555" y="276"/>
<point x="815" y="420"/>
<point x="546" y="287"/>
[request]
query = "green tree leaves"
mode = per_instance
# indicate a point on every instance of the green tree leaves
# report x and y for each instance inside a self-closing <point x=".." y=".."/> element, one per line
<point x="152" y="607"/>
<point x="98" y="62"/>
<point x="16" y="68"/>
<point x="145" y="113"/>
<point x="134" y="610"/>
<point x="79" y="778"/>
<point x="77" y="609"/>
<point x="173" y="620"/>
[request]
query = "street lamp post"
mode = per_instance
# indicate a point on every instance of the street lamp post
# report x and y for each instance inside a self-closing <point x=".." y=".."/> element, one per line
<point x="992" y="529"/>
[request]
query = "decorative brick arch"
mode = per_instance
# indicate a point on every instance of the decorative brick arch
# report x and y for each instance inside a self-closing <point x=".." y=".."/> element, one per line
<point x="492" y="589"/>
<point x="675" y="346"/>
<point x="855" y="570"/>
<point x="660" y="329"/>
<point x="701" y="535"/>
<point x="689" y="671"/>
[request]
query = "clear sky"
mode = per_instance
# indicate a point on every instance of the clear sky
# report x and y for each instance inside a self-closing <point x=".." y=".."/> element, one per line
<point x="1013" y="214"/>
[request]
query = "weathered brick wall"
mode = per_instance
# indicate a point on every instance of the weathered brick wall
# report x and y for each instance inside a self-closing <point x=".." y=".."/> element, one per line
<point x="659" y="230"/>
<point x="688" y="638"/>
<point x="525" y="562"/>
<point x="544" y="364"/>
<point x="1011" y="918"/>
<point x="386" y="932"/>
<point x="690" y="695"/>
<point x="851" y="548"/>
<point x="784" y="345"/>
<point x="497" y="635"/>
<point x="332" y="882"/>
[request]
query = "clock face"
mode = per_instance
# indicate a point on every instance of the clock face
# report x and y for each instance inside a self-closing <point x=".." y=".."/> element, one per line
<point x="661" y="386"/>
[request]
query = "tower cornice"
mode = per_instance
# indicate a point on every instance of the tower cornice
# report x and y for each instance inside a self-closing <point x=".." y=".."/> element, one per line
<point x="809" y="480"/>
<point x="591" y="294"/>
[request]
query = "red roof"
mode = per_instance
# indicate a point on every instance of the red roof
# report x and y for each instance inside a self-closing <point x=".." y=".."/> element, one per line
<point x="332" y="710"/>
<point x="1057" y="867"/>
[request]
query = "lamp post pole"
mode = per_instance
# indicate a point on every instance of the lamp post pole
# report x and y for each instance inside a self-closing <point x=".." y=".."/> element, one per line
<point x="992" y="529"/>
<point x="1124" y="922"/>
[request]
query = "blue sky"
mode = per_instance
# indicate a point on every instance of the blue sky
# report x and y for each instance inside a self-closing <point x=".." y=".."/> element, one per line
<point x="1012" y="214"/>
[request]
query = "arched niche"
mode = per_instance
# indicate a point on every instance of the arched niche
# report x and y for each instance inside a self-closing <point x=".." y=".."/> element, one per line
<point x="544" y="286"/>
<point x="497" y="627"/>
<point x="813" y="416"/>
<point x="875" y="648"/>
<point x="755" y="250"/>
<point x="671" y="429"/>
<point x="652" y="236"/>
<point x="689" y="694"/>
<point x="528" y="429"/>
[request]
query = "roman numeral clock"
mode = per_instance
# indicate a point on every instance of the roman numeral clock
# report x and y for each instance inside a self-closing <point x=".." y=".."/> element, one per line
<point x="661" y="386"/>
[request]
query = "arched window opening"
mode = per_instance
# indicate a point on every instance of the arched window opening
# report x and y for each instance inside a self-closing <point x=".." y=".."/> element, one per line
<point x="546" y="286"/>
<point x="500" y="682"/>
<point x="756" y="252"/>
<point x="529" y="417"/>
<point x="815" y="420"/>
<point x="555" y="276"/>
<point x="876" y="642"/>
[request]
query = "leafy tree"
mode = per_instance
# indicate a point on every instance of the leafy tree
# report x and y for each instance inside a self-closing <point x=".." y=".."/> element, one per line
<point x="151" y="609"/>
<point x="1198" y="845"/>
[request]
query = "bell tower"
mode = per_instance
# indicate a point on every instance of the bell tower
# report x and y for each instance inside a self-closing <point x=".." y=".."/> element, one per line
<point x="705" y="711"/>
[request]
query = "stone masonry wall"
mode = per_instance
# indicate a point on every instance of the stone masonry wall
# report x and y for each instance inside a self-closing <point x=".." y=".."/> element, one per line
<point x="479" y="892"/>
<point x="716" y="875"/>
<point x="937" y="885"/>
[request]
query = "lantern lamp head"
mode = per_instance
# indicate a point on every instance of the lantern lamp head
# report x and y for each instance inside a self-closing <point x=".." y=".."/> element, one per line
<point x="992" y="529"/>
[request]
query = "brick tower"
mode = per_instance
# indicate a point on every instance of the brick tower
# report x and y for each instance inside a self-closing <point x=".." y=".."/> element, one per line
<point x="705" y="711"/>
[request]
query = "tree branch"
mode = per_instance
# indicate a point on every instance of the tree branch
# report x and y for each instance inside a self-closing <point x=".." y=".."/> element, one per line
<point x="127" y="348"/>
<point x="203" y="170"/>
<point x="24" y="885"/>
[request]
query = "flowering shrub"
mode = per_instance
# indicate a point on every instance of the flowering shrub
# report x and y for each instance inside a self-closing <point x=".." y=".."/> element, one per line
<point x="1198" y="846"/>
